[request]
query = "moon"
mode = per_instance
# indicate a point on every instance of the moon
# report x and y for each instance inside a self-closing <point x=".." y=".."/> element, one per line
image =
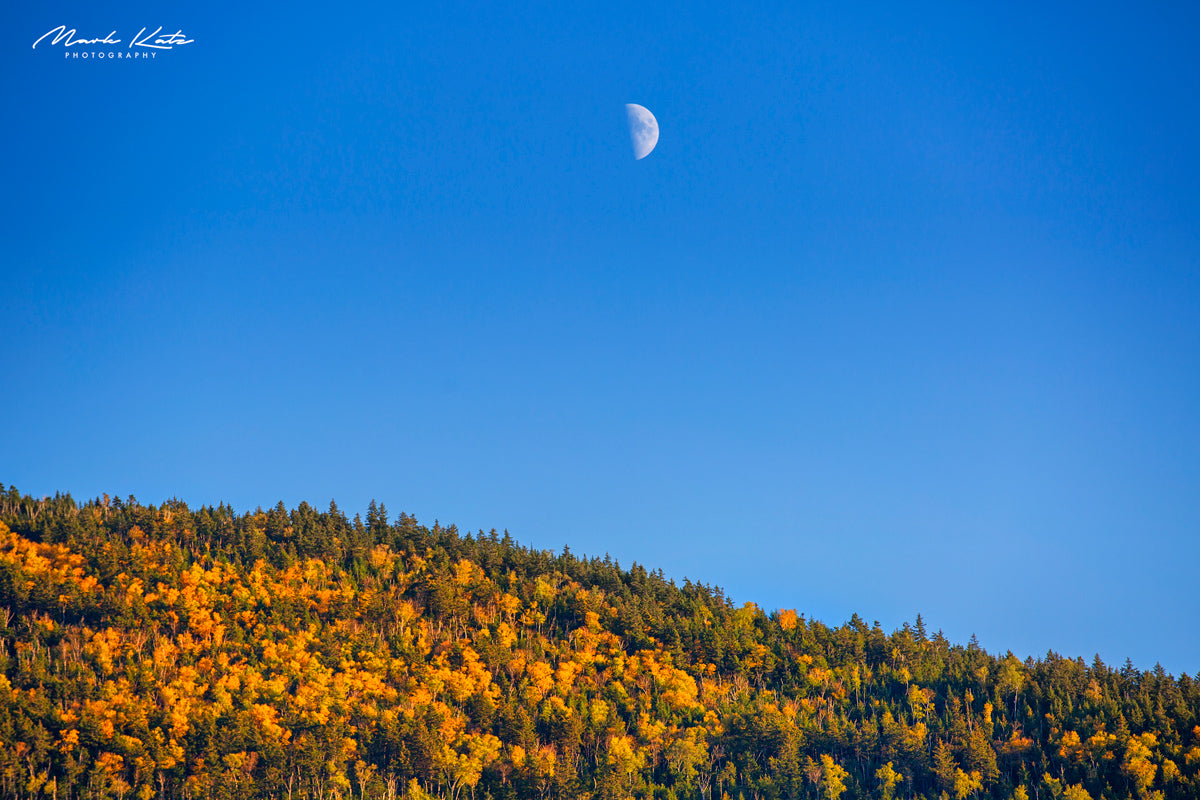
<point x="643" y="130"/>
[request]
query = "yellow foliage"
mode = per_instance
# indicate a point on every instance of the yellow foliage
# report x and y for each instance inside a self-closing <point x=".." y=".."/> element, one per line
<point x="1076" y="792"/>
<point x="465" y="572"/>
<point x="887" y="778"/>
<point x="1137" y="764"/>
<point x="622" y="756"/>
<point x="1070" y="747"/>
<point x="1016" y="745"/>
<point x="541" y="680"/>
<point x="564" y="676"/>
<point x="966" y="784"/>
<point x="833" y="778"/>
<point x="381" y="556"/>
<point x="68" y="741"/>
<point x="260" y="647"/>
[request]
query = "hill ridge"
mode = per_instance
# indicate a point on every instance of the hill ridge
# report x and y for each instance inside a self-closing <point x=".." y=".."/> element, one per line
<point x="164" y="651"/>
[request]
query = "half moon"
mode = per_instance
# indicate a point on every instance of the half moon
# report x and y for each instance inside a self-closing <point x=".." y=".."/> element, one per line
<point x="643" y="130"/>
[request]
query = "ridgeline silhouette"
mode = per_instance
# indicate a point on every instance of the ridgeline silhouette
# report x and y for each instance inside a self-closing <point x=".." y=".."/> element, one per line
<point x="169" y="652"/>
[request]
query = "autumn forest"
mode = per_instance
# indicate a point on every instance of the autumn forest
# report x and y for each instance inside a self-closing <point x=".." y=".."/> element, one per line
<point x="170" y="652"/>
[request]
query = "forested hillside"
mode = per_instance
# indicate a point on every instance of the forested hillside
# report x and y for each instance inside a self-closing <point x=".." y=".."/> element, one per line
<point x="170" y="652"/>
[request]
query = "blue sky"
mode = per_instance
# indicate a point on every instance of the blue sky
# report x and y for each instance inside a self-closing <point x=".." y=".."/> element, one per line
<point x="901" y="316"/>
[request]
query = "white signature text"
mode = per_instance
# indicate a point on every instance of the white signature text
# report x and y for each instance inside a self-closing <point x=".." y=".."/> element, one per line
<point x="67" y="38"/>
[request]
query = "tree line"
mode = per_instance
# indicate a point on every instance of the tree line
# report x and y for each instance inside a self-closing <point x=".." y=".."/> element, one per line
<point x="161" y="651"/>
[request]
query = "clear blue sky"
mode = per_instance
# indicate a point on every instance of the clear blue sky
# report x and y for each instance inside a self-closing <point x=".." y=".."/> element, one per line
<point x="902" y="315"/>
